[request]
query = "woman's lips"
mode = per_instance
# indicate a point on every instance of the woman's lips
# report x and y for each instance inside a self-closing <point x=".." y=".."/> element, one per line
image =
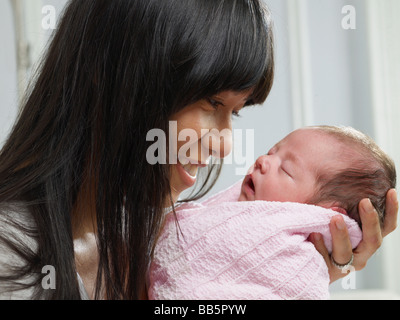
<point x="188" y="175"/>
<point x="188" y="171"/>
<point x="191" y="166"/>
<point x="191" y="169"/>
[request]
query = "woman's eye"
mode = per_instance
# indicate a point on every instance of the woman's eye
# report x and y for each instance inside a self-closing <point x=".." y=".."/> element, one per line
<point x="236" y="114"/>
<point x="215" y="104"/>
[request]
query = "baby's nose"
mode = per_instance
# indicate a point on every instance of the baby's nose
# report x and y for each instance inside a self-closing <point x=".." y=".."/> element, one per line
<point x="262" y="163"/>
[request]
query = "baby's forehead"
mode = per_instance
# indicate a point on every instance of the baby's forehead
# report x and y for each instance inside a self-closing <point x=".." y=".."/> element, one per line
<point x="323" y="145"/>
<point x="306" y="137"/>
<point x="315" y="136"/>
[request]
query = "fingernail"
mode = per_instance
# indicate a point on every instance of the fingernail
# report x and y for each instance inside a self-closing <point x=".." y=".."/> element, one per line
<point x="368" y="206"/>
<point x="340" y="224"/>
<point x="394" y="197"/>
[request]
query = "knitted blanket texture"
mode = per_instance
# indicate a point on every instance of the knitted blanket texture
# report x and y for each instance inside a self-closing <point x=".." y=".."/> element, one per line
<point x="229" y="250"/>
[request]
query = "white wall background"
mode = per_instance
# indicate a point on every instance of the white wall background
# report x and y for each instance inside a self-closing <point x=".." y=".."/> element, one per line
<point x="324" y="75"/>
<point x="8" y="76"/>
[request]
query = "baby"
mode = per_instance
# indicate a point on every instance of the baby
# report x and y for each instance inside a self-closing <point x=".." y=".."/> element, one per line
<point x="327" y="166"/>
<point x="250" y="241"/>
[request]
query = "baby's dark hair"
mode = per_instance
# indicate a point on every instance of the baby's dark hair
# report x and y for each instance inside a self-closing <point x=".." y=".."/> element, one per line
<point x="371" y="174"/>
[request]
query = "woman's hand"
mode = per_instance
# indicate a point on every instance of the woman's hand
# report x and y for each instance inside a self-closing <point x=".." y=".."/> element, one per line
<point x="372" y="236"/>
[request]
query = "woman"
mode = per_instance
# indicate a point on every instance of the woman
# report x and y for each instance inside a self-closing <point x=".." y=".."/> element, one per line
<point x="77" y="192"/>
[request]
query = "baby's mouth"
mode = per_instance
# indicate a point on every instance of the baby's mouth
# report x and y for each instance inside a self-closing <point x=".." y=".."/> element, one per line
<point x="250" y="183"/>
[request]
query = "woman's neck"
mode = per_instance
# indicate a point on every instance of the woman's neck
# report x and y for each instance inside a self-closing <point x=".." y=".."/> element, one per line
<point x="84" y="232"/>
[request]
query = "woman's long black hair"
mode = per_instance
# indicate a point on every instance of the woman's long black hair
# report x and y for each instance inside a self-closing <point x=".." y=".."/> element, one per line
<point x="114" y="70"/>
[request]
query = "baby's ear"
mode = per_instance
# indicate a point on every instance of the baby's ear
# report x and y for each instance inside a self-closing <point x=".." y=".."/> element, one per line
<point x="340" y="210"/>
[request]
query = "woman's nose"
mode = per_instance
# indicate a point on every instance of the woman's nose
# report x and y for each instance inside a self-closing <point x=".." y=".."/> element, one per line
<point x="217" y="143"/>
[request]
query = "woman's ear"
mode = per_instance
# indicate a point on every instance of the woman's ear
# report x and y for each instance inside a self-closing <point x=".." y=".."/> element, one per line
<point x="340" y="210"/>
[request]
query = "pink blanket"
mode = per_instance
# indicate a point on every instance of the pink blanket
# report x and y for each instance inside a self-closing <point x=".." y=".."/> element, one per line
<point x="243" y="250"/>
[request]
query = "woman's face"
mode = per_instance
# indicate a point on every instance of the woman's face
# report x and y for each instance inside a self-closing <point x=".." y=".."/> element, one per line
<point x="202" y="129"/>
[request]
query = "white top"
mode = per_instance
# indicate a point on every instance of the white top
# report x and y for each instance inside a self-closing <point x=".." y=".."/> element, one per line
<point x="19" y="214"/>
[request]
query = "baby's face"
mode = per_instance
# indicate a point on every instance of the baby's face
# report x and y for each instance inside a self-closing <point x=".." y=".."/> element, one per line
<point x="288" y="173"/>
